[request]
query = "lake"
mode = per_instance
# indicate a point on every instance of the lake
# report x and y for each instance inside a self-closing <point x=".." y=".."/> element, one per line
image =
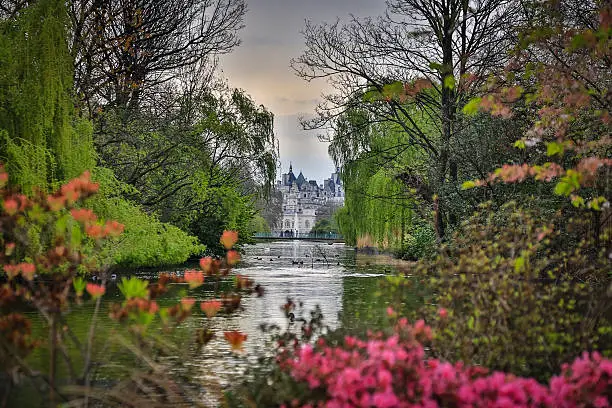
<point x="342" y="282"/>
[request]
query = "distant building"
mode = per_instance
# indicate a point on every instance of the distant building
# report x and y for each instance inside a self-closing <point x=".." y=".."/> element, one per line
<point x="303" y="198"/>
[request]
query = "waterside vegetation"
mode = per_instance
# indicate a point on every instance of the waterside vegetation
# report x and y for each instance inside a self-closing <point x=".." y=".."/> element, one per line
<point x="474" y="140"/>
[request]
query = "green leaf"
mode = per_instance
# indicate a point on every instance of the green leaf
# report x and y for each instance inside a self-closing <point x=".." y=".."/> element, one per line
<point x="563" y="188"/>
<point x="519" y="264"/>
<point x="553" y="148"/>
<point x="468" y="184"/>
<point x="520" y="144"/>
<point x="470" y="323"/>
<point x="577" y="201"/>
<point x="79" y="285"/>
<point x="595" y="204"/>
<point x="61" y="225"/>
<point x="371" y="96"/>
<point x="134" y="288"/>
<point x="76" y="236"/>
<point x="471" y="108"/>
<point x="393" y="90"/>
<point x="435" y="66"/>
<point x="449" y="82"/>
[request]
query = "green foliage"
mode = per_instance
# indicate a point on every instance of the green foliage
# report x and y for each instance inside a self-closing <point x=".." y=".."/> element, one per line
<point x="228" y="209"/>
<point x="449" y="82"/>
<point x="523" y="294"/>
<point x="43" y="143"/>
<point x="324" y="226"/>
<point x="146" y="241"/>
<point x="78" y="284"/>
<point x="419" y="243"/>
<point x="200" y="166"/>
<point x="258" y="224"/>
<point x="471" y="108"/>
<point x="133" y="288"/>
<point x="376" y="205"/>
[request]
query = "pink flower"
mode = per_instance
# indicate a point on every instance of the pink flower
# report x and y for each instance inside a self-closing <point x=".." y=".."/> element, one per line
<point x="393" y="372"/>
<point x="384" y="378"/>
<point x="443" y="313"/>
<point x="385" y="400"/>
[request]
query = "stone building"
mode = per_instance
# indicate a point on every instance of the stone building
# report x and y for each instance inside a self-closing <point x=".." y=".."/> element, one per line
<point x="302" y="199"/>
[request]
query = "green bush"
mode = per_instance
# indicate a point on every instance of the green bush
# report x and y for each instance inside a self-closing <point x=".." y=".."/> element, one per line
<point x="146" y="241"/>
<point x="419" y="243"/>
<point x="521" y="292"/>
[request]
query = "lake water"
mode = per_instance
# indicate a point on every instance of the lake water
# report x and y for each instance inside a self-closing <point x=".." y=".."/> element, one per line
<point x="334" y="277"/>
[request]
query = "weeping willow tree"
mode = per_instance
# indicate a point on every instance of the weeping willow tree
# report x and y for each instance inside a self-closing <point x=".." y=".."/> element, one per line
<point x="377" y="209"/>
<point x="42" y="141"/>
<point x="381" y="207"/>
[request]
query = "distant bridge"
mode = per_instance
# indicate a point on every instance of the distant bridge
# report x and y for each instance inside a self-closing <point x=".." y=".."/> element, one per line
<point x="301" y="236"/>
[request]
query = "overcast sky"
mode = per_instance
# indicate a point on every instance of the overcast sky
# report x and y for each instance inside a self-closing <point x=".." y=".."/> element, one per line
<point x="260" y="66"/>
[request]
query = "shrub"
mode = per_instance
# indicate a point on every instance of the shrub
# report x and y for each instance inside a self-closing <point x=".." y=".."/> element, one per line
<point x="146" y="241"/>
<point x="49" y="244"/>
<point x="420" y="243"/>
<point x="391" y="370"/>
<point x="524" y="294"/>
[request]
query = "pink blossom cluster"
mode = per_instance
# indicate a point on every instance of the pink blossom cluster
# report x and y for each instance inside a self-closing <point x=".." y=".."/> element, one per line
<point x="393" y="372"/>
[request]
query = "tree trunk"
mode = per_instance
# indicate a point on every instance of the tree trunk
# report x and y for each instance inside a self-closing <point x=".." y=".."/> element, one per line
<point x="448" y="117"/>
<point x="52" y="361"/>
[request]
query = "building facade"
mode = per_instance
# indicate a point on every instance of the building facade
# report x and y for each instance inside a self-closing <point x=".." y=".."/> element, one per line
<point x="302" y="198"/>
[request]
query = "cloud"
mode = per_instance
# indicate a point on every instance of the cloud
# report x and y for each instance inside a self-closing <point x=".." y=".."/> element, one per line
<point x="302" y="149"/>
<point x="299" y="102"/>
<point x="260" y="66"/>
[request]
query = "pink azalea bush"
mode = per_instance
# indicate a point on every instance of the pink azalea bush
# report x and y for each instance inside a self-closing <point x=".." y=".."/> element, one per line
<point x="392" y="371"/>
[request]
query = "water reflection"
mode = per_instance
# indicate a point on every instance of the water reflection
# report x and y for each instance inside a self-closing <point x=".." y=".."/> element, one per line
<point x="313" y="273"/>
<point x="310" y="272"/>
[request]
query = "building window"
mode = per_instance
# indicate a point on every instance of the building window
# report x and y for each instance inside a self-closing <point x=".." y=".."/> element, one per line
<point x="307" y="224"/>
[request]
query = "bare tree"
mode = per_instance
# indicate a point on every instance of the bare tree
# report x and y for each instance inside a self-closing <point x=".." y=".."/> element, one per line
<point x="124" y="48"/>
<point x="447" y="47"/>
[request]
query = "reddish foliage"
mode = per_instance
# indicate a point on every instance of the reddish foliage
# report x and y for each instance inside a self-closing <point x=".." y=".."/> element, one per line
<point x="232" y="257"/>
<point x="94" y="290"/>
<point x="210" y="307"/>
<point x="206" y="264"/>
<point x="229" y="239"/>
<point x="194" y="278"/>
<point x="187" y="303"/>
<point x="564" y="69"/>
<point x="235" y="339"/>
<point x="83" y="215"/>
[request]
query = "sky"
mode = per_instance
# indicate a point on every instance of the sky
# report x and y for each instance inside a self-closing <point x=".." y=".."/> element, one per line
<point x="260" y="66"/>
